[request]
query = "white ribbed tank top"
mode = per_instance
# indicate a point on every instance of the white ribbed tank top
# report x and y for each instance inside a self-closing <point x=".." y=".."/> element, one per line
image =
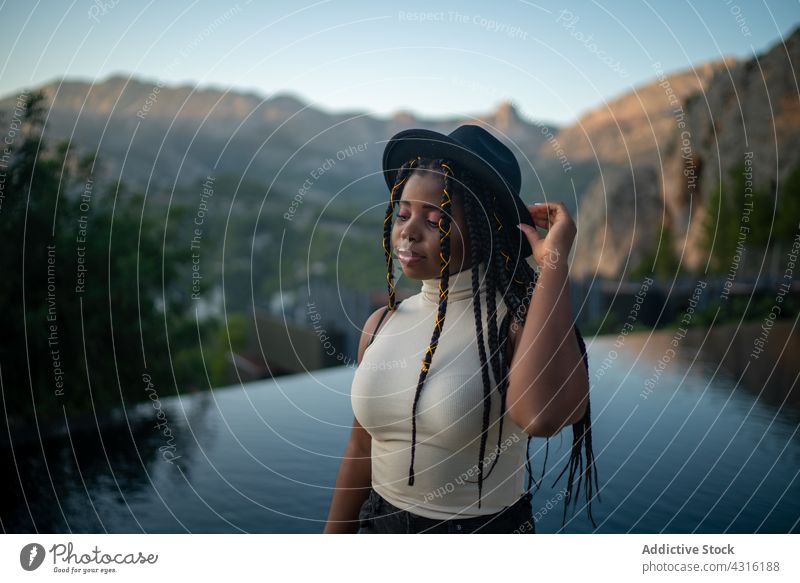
<point x="449" y="411"/>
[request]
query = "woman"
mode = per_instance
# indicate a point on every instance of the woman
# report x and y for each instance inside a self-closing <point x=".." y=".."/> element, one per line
<point x="450" y="458"/>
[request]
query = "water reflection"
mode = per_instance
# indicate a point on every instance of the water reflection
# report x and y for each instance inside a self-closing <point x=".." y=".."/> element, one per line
<point x="702" y="441"/>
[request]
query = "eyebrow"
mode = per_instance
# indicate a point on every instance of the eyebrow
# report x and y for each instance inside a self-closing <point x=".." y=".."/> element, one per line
<point x="433" y="206"/>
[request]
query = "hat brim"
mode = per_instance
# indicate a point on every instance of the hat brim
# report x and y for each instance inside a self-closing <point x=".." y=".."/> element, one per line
<point x="408" y="144"/>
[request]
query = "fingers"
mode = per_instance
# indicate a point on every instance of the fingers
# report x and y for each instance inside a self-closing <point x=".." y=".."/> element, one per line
<point x="541" y="221"/>
<point x="530" y="232"/>
<point x="542" y="215"/>
<point x="546" y="213"/>
<point x="547" y="207"/>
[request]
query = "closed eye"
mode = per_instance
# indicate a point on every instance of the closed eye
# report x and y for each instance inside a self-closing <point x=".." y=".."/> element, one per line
<point x="432" y="224"/>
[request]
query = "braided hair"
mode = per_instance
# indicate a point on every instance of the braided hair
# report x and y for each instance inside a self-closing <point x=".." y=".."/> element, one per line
<point x="509" y="273"/>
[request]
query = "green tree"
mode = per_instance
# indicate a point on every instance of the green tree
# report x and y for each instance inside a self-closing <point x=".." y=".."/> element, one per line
<point x="94" y="300"/>
<point x="736" y="212"/>
<point x="788" y="216"/>
<point x="718" y="238"/>
<point x="662" y="260"/>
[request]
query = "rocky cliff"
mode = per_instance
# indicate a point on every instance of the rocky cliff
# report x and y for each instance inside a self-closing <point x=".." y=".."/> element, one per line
<point x="649" y="158"/>
<point x="657" y="155"/>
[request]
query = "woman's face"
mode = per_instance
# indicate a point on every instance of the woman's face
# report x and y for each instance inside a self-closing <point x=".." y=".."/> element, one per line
<point x="415" y="228"/>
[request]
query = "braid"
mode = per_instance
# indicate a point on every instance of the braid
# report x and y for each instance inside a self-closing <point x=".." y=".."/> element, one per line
<point x="506" y="270"/>
<point x="494" y="271"/>
<point x="581" y="430"/>
<point x="516" y="306"/>
<point x="497" y="358"/>
<point x="444" y="254"/>
<point x="402" y="176"/>
<point x="476" y="246"/>
<point x="480" y="238"/>
<point x="581" y="437"/>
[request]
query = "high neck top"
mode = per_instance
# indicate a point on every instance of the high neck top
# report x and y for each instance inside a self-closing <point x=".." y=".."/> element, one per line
<point x="459" y="286"/>
<point x="449" y="413"/>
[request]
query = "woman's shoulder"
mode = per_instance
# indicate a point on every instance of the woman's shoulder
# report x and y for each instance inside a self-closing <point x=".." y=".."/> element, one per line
<point x="372" y="326"/>
<point x="369" y="329"/>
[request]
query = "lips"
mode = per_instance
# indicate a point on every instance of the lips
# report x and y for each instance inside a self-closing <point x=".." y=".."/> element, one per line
<point x="407" y="256"/>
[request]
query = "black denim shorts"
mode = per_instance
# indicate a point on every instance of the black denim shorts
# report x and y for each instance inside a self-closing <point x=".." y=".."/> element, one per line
<point x="377" y="516"/>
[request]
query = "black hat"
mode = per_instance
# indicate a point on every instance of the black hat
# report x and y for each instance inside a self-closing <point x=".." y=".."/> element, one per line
<point x="476" y="149"/>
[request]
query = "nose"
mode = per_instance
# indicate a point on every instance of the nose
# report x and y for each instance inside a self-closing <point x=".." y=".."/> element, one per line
<point x="410" y="229"/>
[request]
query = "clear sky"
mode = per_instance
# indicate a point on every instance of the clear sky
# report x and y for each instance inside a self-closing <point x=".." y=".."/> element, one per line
<point x="554" y="60"/>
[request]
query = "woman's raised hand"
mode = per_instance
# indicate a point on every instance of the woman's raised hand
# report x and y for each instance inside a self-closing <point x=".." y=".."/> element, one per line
<point x="552" y="249"/>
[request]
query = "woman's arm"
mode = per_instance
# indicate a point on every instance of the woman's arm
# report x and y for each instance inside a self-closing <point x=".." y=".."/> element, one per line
<point x="355" y="471"/>
<point x="548" y="388"/>
<point x="352" y="483"/>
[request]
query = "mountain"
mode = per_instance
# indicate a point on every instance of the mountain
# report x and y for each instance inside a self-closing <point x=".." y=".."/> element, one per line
<point x="649" y="158"/>
<point x="174" y="136"/>
<point x="632" y="126"/>
<point x="653" y="158"/>
<point x="168" y="136"/>
<point x="748" y="118"/>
